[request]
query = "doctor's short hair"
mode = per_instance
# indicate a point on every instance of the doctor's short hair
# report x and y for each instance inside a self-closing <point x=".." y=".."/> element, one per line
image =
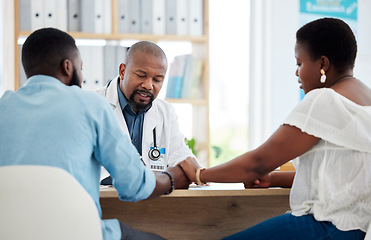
<point x="330" y="37"/>
<point x="45" y="49"/>
<point x="145" y="47"/>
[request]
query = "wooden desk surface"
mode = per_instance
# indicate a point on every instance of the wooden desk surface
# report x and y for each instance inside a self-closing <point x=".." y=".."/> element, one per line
<point x="197" y="214"/>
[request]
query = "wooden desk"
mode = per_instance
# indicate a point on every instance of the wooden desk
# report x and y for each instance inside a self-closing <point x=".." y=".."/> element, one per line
<point x="197" y="214"/>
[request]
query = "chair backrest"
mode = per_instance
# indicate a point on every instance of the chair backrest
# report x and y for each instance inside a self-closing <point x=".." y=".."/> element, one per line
<point x="43" y="202"/>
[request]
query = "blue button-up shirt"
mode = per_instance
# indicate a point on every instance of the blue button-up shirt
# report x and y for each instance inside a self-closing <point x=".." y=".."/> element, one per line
<point x="134" y="121"/>
<point x="48" y="123"/>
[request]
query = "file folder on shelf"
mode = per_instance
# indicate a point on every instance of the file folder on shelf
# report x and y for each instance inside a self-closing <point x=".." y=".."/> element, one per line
<point x="134" y="16"/>
<point x="87" y="8"/>
<point x="37" y="14"/>
<point x="109" y="63"/>
<point x="195" y="17"/>
<point x="182" y="17"/>
<point x="98" y="17"/>
<point x="171" y="17"/>
<point x="24" y="15"/>
<point x="61" y="14"/>
<point x="107" y="16"/>
<point x="123" y="16"/>
<point x="73" y="16"/>
<point x="158" y="17"/>
<point x="146" y="16"/>
<point x="50" y="11"/>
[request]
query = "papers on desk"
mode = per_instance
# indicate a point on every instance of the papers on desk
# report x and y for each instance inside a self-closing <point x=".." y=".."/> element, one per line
<point x="218" y="186"/>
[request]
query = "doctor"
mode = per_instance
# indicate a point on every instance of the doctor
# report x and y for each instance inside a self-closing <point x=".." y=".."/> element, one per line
<point x="150" y="123"/>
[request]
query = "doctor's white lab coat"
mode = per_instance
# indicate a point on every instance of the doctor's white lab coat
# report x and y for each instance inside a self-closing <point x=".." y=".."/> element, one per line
<point x="162" y="116"/>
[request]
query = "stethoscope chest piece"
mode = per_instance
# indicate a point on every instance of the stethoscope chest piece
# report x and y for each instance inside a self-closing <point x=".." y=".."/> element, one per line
<point x="154" y="154"/>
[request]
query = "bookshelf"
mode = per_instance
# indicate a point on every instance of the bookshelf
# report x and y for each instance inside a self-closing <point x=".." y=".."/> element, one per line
<point x="200" y="47"/>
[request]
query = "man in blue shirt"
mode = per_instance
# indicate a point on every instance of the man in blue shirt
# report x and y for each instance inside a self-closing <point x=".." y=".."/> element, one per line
<point x="51" y="121"/>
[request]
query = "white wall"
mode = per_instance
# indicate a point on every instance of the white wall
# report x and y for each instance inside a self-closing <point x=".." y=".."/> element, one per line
<point x="281" y="21"/>
<point x="7" y="22"/>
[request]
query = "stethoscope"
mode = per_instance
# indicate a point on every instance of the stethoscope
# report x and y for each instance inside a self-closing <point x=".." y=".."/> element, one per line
<point x="154" y="153"/>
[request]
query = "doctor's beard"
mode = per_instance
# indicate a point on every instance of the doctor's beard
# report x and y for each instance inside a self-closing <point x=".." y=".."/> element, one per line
<point x="138" y="106"/>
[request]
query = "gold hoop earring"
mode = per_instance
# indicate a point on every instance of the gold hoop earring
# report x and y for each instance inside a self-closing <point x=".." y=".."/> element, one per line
<point x="323" y="77"/>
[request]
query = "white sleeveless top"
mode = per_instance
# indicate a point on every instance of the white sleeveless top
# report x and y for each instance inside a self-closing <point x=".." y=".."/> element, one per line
<point x="333" y="179"/>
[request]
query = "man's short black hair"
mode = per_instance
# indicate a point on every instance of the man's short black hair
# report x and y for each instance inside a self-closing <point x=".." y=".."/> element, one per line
<point x="332" y="38"/>
<point x="44" y="51"/>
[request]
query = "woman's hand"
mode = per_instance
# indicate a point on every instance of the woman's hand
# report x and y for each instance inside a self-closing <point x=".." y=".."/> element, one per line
<point x="263" y="182"/>
<point x="189" y="166"/>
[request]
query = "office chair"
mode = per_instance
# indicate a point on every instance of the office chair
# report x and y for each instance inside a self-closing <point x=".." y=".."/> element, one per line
<point x="43" y="203"/>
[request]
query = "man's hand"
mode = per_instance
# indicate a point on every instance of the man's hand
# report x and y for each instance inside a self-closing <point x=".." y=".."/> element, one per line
<point x="190" y="166"/>
<point x="179" y="177"/>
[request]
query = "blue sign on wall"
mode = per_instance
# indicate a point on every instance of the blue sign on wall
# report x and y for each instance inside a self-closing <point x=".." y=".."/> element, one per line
<point x="344" y="9"/>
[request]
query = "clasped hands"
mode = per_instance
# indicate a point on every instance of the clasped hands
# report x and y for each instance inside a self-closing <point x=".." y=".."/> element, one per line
<point x="185" y="173"/>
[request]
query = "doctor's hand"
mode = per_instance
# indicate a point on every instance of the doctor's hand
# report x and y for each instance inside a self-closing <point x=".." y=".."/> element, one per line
<point x="179" y="177"/>
<point x="190" y="166"/>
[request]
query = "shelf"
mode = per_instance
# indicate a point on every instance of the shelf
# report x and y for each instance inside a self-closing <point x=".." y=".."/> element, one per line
<point x="140" y="37"/>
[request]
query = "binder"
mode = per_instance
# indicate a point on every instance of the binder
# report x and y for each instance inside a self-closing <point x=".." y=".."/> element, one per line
<point x="134" y="16"/>
<point x="97" y="71"/>
<point x="61" y="14"/>
<point x="120" y="56"/>
<point x="188" y="74"/>
<point x="181" y="17"/>
<point x="37" y="14"/>
<point x="107" y="5"/>
<point x="196" y="88"/>
<point x="109" y="63"/>
<point x="171" y="17"/>
<point x="73" y="16"/>
<point x="99" y="16"/>
<point x="146" y="16"/>
<point x="50" y="13"/>
<point x="86" y="69"/>
<point x="123" y="16"/>
<point x="195" y="17"/>
<point x="176" y="77"/>
<point x="87" y="8"/>
<point x="24" y="15"/>
<point x="158" y="17"/>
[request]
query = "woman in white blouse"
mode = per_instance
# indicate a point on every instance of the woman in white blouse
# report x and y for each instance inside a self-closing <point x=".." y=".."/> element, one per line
<point x="329" y="136"/>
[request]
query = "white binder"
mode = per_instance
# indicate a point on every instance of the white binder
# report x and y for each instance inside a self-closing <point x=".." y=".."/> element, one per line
<point x="171" y="17"/>
<point x="146" y="16"/>
<point x="85" y="52"/>
<point x="74" y="15"/>
<point x="37" y="14"/>
<point x="61" y="14"/>
<point x="158" y="17"/>
<point x="123" y="16"/>
<point x="134" y="16"/>
<point x="96" y="67"/>
<point x="109" y="63"/>
<point x="50" y="13"/>
<point x="87" y="8"/>
<point x="24" y="15"/>
<point x="107" y="16"/>
<point x="99" y="16"/>
<point x="195" y="17"/>
<point x="182" y="17"/>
